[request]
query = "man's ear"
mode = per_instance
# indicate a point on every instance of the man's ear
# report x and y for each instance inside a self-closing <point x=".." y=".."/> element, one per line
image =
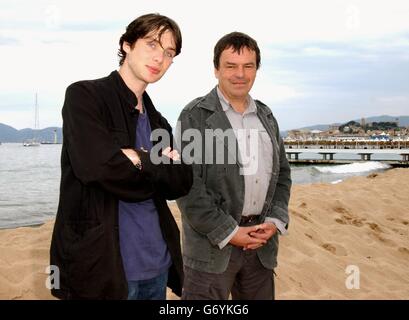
<point x="216" y="73"/>
<point x="126" y="47"/>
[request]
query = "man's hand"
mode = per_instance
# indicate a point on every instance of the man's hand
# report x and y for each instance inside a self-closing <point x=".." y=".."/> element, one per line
<point x="132" y="155"/>
<point x="242" y="238"/>
<point x="264" y="232"/>
<point x="172" y="154"/>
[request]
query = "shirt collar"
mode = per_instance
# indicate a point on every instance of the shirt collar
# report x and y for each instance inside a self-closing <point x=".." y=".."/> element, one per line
<point x="251" y="105"/>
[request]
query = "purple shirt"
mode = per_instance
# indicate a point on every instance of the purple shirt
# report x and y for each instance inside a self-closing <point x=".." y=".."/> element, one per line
<point x="143" y="249"/>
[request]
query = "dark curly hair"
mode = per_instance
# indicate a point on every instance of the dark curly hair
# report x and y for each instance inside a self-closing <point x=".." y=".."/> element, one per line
<point x="145" y="24"/>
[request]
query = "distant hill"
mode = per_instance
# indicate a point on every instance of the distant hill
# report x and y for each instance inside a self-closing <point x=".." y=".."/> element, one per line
<point x="403" y="122"/>
<point x="321" y="127"/>
<point x="9" y="134"/>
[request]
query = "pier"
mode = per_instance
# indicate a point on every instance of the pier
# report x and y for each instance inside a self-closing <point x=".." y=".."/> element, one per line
<point x="405" y="156"/>
<point x="335" y="144"/>
<point x="365" y="156"/>
<point x="329" y="154"/>
<point x="293" y="155"/>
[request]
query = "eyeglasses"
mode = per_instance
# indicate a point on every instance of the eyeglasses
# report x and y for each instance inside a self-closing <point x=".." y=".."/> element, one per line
<point x="155" y="45"/>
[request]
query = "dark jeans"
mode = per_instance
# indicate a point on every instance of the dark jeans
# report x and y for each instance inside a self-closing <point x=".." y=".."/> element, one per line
<point x="245" y="278"/>
<point x="151" y="289"/>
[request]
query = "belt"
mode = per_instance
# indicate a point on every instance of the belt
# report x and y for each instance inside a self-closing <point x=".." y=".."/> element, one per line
<point x="249" y="220"/>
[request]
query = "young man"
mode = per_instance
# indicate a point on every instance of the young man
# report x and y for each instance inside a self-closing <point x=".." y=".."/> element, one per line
<point x="231" y="215"/>
<point x="114" y="235"/>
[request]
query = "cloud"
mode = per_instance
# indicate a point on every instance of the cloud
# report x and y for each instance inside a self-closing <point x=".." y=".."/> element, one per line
<point x="316" y="51"/>
<point x="7" y="41"/>
<point x="398" y="101"/>
<point x="318" y="62"/>
<point x="55" y="41"/>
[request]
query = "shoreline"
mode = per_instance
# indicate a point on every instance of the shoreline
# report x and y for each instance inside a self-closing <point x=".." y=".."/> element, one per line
<point x="35" y="225"/>
<point x="311" y="164"/>
<point x="318" y="162"/>
<point x="362" y="221"/>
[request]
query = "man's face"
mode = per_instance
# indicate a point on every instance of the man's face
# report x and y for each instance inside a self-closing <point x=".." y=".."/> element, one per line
<point x="236" y="73"/>
<point x="150" y="56"/>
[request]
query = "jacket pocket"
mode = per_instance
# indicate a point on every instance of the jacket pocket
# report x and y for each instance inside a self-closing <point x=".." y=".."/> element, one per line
<point x="195" y="245"/>
<point x="272" y="243"/>
<point x="85" y="260"/>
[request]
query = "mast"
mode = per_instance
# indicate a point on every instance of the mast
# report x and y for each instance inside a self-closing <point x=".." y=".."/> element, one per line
<point x="36" y="117"/>
<point x="34" y="142"/>
<point x="36" y="120"/>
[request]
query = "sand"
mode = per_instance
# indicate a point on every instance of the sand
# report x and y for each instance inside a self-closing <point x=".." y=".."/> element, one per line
<point x="361" y="223"/>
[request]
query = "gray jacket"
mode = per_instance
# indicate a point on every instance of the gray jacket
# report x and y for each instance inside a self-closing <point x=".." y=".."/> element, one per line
<point x="212" y="209"/>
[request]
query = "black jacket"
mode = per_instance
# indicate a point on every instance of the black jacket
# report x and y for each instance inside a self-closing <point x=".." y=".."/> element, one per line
<point x="99" y="120"/>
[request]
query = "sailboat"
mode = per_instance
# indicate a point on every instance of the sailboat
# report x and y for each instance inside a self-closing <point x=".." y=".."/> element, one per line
<point x="33" y="142"/>
<point x="52" y="142"/>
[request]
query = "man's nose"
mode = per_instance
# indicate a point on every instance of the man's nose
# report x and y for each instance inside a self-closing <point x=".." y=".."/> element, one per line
<point x="159" y="55"/>
<point x="239" y="72"/>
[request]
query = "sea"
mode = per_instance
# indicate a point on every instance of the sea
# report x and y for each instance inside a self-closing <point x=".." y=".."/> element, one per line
<point x="30" y="180"/>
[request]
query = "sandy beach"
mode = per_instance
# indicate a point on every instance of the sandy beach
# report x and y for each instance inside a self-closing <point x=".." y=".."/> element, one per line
<point x="362" y="222"/>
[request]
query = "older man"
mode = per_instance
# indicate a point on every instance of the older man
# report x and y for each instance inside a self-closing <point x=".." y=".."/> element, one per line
<point x="236" y="207"/>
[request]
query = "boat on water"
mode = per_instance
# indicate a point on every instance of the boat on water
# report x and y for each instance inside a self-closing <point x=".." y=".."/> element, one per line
<point x="31" y="143"/>
<point x="52" y="142"/>
<point x="34" y="142"/>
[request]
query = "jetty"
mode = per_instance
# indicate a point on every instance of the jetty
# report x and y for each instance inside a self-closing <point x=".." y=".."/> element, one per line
<point x="365" y="154"/>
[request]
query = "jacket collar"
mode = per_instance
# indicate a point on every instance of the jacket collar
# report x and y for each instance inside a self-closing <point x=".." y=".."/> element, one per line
<point x="251" y="105"/>
<point x="212" y="103"/>
<point x="132" y="101"/>
<point x="123" y="89"/>
<point x="219" y="120"/>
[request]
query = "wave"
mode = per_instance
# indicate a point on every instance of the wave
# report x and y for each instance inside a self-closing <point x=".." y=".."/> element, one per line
<point x="355" y="167"/>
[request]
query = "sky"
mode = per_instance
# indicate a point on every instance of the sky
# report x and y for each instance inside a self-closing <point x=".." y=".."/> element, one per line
<point x="322" y="61"/>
